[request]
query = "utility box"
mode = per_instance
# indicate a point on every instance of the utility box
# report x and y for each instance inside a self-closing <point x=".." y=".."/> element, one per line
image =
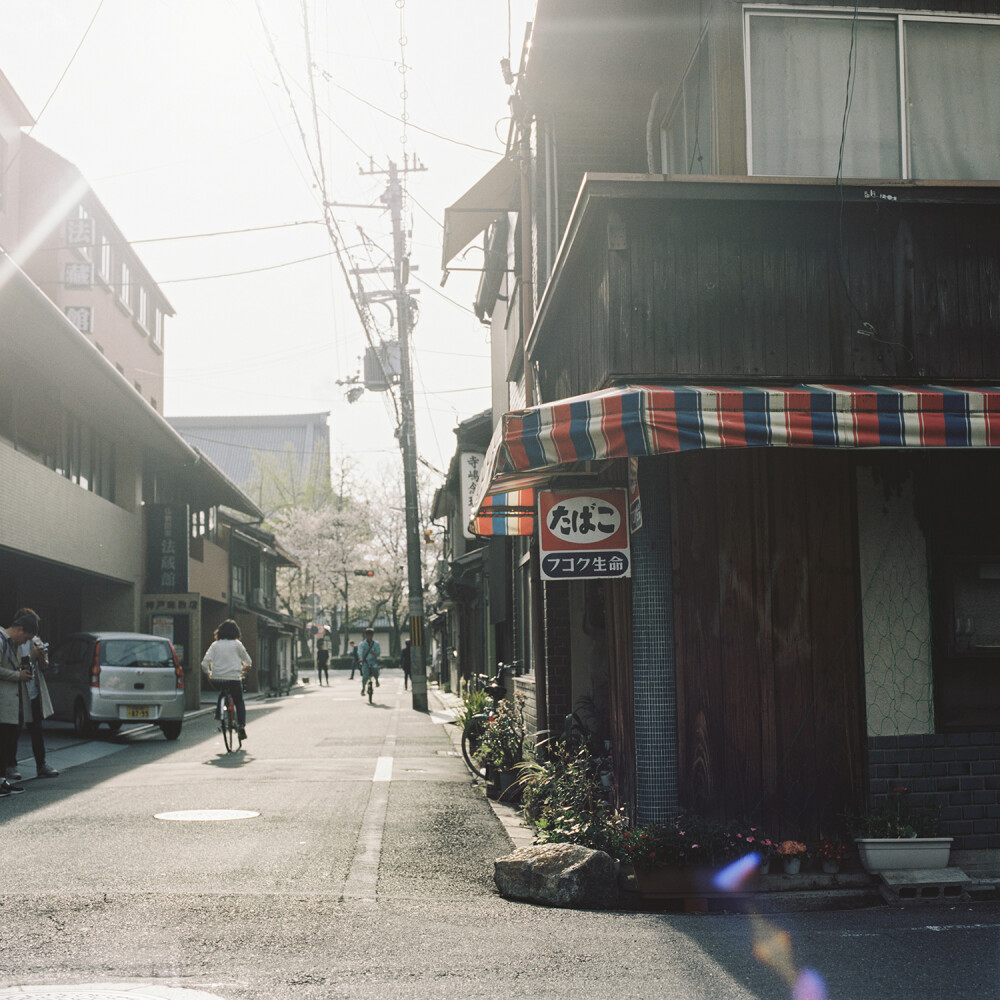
<point x="382" y="366"/>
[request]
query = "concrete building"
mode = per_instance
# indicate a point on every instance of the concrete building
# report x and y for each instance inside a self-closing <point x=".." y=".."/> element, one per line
<point x="106" y="512"/>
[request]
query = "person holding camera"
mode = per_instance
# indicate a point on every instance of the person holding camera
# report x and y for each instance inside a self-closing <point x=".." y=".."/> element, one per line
<point x="36" y="703"/>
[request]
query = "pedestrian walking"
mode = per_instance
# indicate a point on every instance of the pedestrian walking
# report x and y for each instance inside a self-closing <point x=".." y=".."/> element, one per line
<point x="404" y="662"/>
<point x="353" y="654"/>
<point x="12" y="675"/>
<point x="225" y="662"/>
<point x="368" y="653"/>
<point x="36" y="704"/>
<point x="322" y="663"/>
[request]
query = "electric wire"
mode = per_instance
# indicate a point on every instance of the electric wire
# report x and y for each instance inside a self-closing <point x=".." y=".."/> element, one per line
<point x="332" y="225"/>
<point x="72" y="59"/>
<point x="409" y="124"/>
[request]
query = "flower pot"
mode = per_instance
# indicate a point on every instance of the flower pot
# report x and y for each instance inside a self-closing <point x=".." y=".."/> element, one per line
<point x="500" y="784"/>
<point x="792" y="865"/>
<point x="888" y="854"/>
<point x="831" y="867"/>
<point x="668" y="882"/>
<point x="765" y="866"/>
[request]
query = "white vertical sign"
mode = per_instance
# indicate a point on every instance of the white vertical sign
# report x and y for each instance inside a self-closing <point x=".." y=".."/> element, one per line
<point x="470" y="465"/>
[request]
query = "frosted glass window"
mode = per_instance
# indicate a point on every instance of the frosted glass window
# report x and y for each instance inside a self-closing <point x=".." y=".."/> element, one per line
<point x="798" y="90"/>
<point x="953" y="111"/>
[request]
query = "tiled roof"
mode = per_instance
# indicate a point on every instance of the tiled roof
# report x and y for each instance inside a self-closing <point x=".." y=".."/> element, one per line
<point x="237" y="444"/>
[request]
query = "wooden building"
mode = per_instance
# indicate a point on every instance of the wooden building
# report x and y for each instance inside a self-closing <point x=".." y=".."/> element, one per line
<point x="752" y="274"/>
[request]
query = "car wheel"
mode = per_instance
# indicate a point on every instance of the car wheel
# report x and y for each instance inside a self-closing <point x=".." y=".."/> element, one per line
<point x="171" y="729"/>
<point x="82" y="724"/>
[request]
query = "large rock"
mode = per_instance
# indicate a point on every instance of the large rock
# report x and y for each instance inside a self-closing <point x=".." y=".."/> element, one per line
<point x="559" y="875"/>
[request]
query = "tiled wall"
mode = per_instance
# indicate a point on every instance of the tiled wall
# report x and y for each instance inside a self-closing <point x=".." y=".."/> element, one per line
<point x="653" y="664"/>
<point x="959" y="772"/>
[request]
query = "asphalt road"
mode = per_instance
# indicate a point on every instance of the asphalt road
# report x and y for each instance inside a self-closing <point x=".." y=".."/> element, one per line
<point x="367" y="873"/>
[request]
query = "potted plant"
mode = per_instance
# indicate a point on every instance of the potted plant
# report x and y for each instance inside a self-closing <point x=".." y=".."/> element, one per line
<point x="682" y="858"/>
<point x="501" y="747"/>
<point x="900" y="834"/>
<point x="831" y="853"/>
<point x="791" y="853"/>
<point x="766" y="848"/>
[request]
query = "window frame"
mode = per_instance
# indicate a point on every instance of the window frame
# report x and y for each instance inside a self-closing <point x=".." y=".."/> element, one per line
<point x="899" y="18"/>
<point x="676" y="114"/>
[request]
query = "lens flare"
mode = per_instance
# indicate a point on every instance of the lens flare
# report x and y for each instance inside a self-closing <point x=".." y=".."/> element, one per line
<point x="733" y="877"/>
<point x="773" y="947"/>
<point x="809" y="986"/>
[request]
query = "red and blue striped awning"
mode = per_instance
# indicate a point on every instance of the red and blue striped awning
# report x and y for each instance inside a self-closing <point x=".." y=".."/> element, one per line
<point x="642" y="420"/>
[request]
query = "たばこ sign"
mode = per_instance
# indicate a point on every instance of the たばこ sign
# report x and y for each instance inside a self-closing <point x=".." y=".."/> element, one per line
<point x="583" y="536"/>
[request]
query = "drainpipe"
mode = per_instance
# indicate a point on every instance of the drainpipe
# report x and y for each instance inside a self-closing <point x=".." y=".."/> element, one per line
<point x="527" y="285"/>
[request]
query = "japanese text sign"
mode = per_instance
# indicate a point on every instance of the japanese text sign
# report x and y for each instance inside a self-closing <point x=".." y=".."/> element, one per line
<point x="470" y="468"/>
<point x="584" y="536"/>
<point x="166" y="548"/>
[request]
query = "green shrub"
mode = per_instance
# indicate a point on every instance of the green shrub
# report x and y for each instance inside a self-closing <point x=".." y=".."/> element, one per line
<point x="502" y="741"/>
<point x="474" y="702"/>
<point x="568" y="799"/>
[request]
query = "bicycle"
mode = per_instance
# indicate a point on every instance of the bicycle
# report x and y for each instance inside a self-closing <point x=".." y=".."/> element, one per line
<point x="228" y="722"/>
<point x="475" y="724"/>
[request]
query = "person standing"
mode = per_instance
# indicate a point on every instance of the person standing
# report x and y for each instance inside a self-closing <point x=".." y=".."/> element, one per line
<point x="404" y="662"/>
<point x="12" y="675"/>
<point x="353" y="654"/>
<point x="368" y="653"/>
<point x="35" y="702"/>
<point x="322" y="663"/>
<point x="225" y="662"/>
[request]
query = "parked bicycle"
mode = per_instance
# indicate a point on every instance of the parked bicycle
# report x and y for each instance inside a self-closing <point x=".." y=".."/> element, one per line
<point x="475" y="724"/>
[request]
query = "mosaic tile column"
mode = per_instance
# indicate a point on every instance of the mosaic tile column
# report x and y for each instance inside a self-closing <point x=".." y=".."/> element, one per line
<point x="653" y="663"/>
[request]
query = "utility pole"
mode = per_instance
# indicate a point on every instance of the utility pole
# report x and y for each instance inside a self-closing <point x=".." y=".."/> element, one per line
<point x="393" y="197"/>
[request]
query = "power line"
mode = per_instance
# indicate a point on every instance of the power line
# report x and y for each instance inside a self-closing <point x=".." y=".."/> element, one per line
<point x="72" y="58"/>
<point x="198" y="236"/>
<point x="406" y="123"/>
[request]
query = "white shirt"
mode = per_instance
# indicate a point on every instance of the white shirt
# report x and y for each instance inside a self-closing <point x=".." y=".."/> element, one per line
<point x="224" y="660"/>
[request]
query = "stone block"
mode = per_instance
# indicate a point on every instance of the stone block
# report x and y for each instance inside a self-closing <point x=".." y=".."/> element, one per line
<point x="566" y="875"/>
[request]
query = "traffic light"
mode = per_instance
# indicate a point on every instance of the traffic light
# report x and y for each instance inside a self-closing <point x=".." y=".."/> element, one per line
<point x="364" y="572"/>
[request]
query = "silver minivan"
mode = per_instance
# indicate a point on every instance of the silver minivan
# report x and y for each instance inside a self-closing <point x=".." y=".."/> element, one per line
<point x="116" y="678"/>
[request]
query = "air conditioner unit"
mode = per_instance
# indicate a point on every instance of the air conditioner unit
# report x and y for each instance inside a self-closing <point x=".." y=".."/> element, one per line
<point x="258" y="597"/>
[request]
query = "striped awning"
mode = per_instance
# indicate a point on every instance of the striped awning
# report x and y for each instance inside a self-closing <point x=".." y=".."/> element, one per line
<point x="642" y="420"/>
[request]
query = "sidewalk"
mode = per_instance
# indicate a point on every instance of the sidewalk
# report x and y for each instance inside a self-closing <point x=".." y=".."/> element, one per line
<point x="780" y="892"/>
<point x="442" y="703"/>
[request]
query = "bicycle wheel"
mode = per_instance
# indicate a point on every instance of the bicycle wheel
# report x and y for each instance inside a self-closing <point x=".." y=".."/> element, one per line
<point x="472" y="736"/>
<point x="370" y="689"/>
<point x="229" y="735"/>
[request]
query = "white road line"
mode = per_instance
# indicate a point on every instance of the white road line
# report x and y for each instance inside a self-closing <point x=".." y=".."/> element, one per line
<point x="383" y="769"/>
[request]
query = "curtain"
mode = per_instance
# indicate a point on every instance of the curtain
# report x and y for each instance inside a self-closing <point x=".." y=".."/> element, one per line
<point x="952" y="81"/>
<point x="798" y="84"/>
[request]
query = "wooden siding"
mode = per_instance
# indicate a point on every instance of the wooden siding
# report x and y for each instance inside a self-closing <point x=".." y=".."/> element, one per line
<point x="769" y="668"/>
<point x="774" y="281"/>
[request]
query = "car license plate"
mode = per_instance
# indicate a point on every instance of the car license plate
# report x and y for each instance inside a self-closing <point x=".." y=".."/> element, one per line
<point x="137" y="712"/>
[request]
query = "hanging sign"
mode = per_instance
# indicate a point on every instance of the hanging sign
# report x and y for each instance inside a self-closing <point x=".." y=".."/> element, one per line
<point x="583" y="535"/>
<point x="470" y="465"/>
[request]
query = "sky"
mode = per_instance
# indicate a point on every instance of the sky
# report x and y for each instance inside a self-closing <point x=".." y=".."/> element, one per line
<point x="185" y="115"/>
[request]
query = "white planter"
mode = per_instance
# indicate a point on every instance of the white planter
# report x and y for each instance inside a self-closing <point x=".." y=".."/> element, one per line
<point x="888" y="854"/>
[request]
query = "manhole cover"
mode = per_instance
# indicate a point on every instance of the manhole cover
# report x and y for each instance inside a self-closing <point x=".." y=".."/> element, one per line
<point x="204" y="816"/>
<point x="112" y="991"/>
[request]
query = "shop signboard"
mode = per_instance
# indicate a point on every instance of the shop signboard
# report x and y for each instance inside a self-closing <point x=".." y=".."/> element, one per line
<point x="583" y="535"/>
<point x="166" y="548"/>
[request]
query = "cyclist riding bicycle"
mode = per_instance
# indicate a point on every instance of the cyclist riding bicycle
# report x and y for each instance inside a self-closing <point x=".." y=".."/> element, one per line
<point x="225" y="663"/>
<point x="368" y="653"/>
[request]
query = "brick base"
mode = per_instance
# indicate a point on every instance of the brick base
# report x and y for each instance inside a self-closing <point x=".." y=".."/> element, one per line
<point x="958" y="772"/>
